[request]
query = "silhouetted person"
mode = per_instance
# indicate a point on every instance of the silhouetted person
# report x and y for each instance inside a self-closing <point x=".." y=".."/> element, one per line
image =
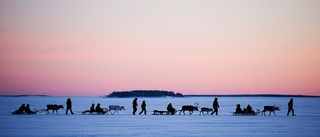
<point x="92" y="108"/>
<point x="290" y="107"/>
<point x="171" y="109"/>
<point x="215" y="105"/>
<point x="134" y="106"/>
<point x="249" y="109"/>
<point x="28" y="110"/>
<point x="69" y="106"/>
<point x="20" y="110"/>
<point x="99" y="110"/>
<point x="238" y="109"/>
<point x="143" y="107"/>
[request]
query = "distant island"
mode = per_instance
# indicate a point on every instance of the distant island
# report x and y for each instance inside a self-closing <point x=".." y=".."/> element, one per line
<point x="144" y="93"/>
<point x="252" y="95"/>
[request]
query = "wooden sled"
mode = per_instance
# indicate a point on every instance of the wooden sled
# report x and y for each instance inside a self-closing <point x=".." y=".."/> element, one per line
<point x="105" y="111"/>
<point x="159" y="112"/>
<point x="246" y="114"/>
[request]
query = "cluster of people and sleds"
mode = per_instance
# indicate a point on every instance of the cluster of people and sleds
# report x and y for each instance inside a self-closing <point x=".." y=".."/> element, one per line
<point x="245" y="111"/>
<point x="97" y="110"/>
<point x="25" y="109"/>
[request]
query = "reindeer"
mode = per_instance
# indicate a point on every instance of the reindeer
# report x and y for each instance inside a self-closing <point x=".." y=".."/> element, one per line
<point x="189" y="108"/>
<point x="205" y="109"/>
<point x="53" y="107"/>
<point x="271" y="109"/>
<point x="116" y="108"/>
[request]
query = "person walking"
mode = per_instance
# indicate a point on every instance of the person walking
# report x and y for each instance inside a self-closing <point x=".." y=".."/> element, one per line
<point x="290" y="107"/>
<point x="134" y="106"/>
<point x="143" y="107"/>
<point x="215" y="105"/>
<point x="69" y="106"/>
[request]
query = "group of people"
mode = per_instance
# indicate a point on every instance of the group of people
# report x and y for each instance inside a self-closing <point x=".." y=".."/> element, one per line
<point x="247" y="110"/>
<point x="215" y="106"/>
<point x="96" y="109"/>
<point x="135" y="107"/>
<point x="24" y="109"/>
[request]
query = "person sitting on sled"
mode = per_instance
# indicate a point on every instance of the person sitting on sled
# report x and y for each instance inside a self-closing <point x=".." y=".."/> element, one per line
<point x="99" y="110"/>
<point x="238" y="109"/>
<point x="28" y="110"/>
<point x="92" y="108"/>
<point x="249" y="109"/>
<point x="171" y="109"/>
<point x="20" y="110"/>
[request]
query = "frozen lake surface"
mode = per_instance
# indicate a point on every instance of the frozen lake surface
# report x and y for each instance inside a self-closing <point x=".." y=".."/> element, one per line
<point x="306" y="123"/>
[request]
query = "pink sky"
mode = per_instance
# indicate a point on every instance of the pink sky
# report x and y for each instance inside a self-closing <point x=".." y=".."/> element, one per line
<point x="193" y="47"/>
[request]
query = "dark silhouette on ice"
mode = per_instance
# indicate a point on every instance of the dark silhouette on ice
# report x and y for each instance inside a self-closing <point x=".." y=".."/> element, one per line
<point x="189" y="108"/>
<point x="215" y="106"/>
<point x="205" y="109"/>
<point x="29" y="111"/>
<point x="99" y="110"/>
<point x="90" y="111"/>
<point x="238" y="109"/>
<point x="290" y="107"/>
<point x="171" y="110"/>
<point x="271" y="109"/>
<point x="249" y="109"/>
<point x="143" y="107"/>
<point x="92" y="108"/>
<point x="69" y="106"/>
<point x="134" y="106"/>
<point x="20" y="110"/>
<point x="53" y="107"/>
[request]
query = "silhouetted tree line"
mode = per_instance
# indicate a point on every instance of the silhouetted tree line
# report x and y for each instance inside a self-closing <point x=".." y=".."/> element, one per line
<point x="144" y="93"/>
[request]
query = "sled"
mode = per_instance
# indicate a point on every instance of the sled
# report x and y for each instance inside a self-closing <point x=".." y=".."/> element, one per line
<point x="246" y="114"/>
<point x="159" y="112"/>
<point x="25" y="113"/>
<point x="105" y="111"/>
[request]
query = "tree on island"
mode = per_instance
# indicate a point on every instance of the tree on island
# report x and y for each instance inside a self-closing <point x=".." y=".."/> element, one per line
<point x="144" y="93"/>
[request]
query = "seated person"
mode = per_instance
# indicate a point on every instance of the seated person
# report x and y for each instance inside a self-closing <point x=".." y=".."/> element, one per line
<point x="28" y="110"/>
<point x="249" y="109"/>
<point x="92" y="108"/>
<point x="171" y="109"/>
<point x="20" y="110"/>
<point x="90" y="111"/>
<point x="238" y="109"/>
<point x="99" y="110"/>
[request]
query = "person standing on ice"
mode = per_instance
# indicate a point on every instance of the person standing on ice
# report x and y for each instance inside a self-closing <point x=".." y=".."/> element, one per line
<point x="134" y="106"/>
<point x="143" y="107"/>
<point x="290" y="107"/>
<point x="69" y="106"/>
<point x="215" y="105"/>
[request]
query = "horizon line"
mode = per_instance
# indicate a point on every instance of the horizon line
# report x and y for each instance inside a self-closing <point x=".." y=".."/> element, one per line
<point x="187" y="95"/>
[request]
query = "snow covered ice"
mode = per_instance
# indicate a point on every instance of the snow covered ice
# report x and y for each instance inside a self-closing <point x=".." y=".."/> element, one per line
<point x="306" y="123"/>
